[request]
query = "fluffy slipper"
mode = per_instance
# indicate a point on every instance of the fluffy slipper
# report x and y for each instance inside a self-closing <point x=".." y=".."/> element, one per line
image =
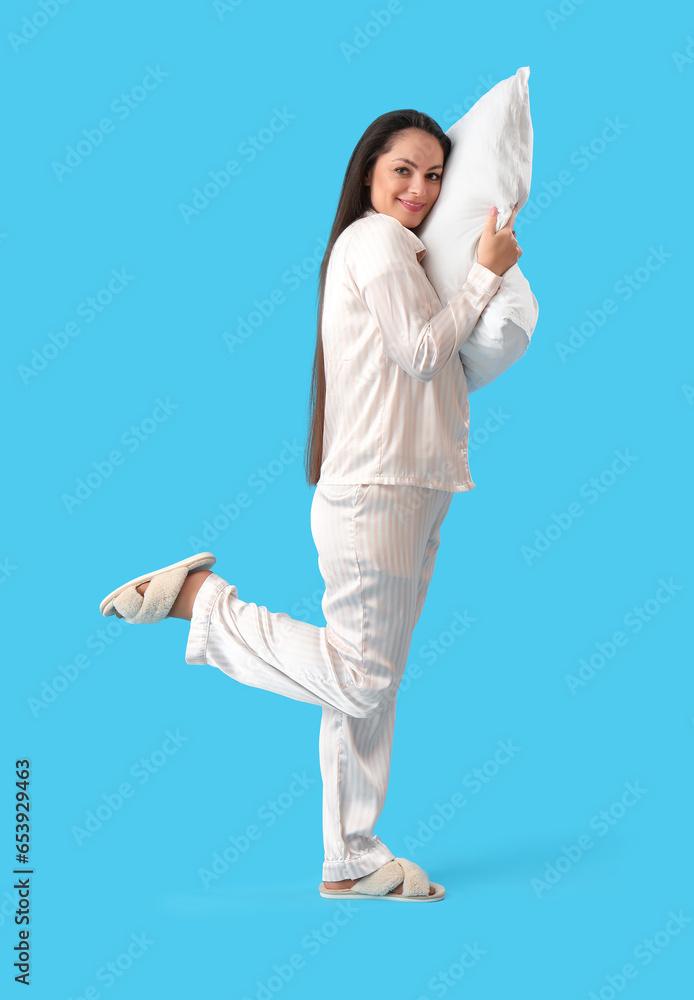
<point x="377" y="885"/>
<point x="160" y="594"/>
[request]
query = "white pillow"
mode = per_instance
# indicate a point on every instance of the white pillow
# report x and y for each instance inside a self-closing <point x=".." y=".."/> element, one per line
<point x="490" y="163"/>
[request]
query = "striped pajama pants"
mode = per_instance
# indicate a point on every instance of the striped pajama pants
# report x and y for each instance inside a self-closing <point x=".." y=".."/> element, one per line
<point x="376" y="548"/>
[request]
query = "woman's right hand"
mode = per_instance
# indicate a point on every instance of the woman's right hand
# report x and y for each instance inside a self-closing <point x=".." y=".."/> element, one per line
<point x="498" y="251"/>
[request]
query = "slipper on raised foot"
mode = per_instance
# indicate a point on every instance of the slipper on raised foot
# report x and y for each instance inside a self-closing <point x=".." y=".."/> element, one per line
<point x="158" y="599"/>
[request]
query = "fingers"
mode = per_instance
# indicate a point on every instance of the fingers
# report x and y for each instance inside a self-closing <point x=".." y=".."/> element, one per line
<point x="491" y="220"/>
<point x="512" y="218"/>
<point x="509" y="234"/>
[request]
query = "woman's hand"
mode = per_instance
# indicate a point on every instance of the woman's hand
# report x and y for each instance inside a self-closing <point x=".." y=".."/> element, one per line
<point x="498" y="251"/>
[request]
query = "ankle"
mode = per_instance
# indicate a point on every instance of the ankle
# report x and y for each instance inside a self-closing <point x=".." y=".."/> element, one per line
<point x="183" y="605"/>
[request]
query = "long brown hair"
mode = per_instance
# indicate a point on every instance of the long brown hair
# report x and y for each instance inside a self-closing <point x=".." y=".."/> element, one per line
<point x="355" y="198"/>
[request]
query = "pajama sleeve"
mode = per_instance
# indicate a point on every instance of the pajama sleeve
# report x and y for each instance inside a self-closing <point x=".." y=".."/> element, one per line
<point x="393" y="286"/>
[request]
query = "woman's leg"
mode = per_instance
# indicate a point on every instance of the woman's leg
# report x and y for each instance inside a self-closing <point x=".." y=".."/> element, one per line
<point x="355" y="753"/>
<point x="352" y="664"/>
<point x="376" y="548"/>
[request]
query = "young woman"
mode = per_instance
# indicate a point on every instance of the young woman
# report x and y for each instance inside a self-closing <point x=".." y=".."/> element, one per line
<point x="387" y="448"/>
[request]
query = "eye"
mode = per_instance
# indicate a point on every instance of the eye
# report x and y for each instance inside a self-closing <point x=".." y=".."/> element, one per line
<point x="433" y="174"/>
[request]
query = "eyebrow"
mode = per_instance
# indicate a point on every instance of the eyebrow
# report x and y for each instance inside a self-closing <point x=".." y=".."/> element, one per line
<point x="438" y="166"/>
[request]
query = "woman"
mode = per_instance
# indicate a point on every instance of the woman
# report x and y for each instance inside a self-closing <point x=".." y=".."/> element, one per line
<point x="387" y="449"/>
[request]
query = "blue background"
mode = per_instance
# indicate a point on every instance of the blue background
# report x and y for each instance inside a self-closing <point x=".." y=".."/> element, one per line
<point x="539" y="927"/>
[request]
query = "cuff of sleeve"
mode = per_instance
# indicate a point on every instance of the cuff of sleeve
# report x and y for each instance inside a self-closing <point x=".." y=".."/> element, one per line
<point x="485" y="279"/>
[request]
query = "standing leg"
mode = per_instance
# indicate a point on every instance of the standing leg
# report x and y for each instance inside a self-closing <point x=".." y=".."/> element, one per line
<point x="355" y="753"/>
<point x="355" y="764"/>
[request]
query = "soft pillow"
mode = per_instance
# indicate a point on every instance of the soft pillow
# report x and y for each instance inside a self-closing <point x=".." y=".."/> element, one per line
<point x="490" y="163"/>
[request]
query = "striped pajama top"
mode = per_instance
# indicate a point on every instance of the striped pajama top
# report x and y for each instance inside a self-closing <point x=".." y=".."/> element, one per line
<point x="396" y="408"/>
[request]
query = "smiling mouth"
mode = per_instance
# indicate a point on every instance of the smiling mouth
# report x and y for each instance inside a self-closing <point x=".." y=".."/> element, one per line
<point x="413" y="206"/>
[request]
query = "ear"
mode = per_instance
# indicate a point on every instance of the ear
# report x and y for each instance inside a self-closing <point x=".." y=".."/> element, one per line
<point x="367" y="179"/>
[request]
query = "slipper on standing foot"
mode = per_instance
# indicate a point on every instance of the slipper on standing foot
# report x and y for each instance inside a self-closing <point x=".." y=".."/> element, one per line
<point x="377" y="885"/>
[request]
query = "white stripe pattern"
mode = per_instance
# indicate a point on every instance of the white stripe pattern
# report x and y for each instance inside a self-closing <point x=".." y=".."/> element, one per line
<point x="397" y="406"/>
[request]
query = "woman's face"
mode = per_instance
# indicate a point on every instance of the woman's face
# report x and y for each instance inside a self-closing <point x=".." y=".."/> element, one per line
<point x="406" y="182"/>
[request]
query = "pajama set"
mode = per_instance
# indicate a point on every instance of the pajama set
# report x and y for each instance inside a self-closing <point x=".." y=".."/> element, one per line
<point x="394" y="451"/>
